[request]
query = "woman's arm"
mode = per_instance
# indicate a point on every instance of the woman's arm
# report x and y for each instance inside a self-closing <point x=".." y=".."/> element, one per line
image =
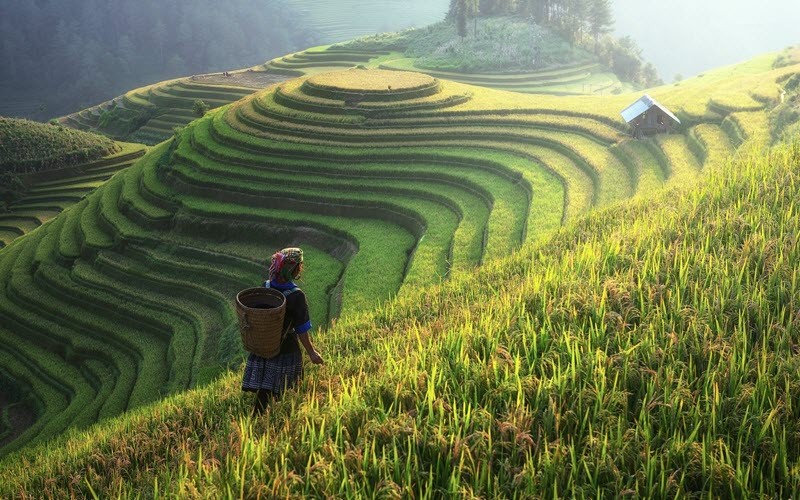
<point x="305" y="339"/>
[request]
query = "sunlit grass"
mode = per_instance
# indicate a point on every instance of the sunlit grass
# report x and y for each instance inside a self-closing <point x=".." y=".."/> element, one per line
<point x="391" y="196"/>
<point x="646" y="350"/>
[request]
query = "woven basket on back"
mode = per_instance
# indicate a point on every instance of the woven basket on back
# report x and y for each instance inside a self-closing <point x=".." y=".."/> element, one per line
<point x="261" y="312"/>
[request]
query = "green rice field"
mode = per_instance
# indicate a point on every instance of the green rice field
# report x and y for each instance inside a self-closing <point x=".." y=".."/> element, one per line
<point x="515" y="298"/>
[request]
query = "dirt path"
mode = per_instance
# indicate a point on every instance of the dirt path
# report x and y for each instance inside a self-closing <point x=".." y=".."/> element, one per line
<point x="249" y="79"/>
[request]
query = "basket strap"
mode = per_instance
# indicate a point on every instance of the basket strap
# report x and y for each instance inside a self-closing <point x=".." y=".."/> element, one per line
<point x="286" y="294"/>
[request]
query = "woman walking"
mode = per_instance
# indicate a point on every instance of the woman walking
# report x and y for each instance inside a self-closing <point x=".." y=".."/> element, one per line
<point x="268" y="378"/>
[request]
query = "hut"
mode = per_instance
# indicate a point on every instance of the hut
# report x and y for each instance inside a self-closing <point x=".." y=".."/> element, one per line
<point x="649" y="117"/>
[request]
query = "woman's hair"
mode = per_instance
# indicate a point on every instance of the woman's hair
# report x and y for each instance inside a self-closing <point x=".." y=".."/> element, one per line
<point x="286" y="265"/>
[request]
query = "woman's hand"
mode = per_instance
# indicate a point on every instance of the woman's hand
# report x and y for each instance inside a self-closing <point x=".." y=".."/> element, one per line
<point x="316" y="358"/>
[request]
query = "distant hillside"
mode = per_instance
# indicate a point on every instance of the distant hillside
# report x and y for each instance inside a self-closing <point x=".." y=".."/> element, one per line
<point x="46" y="168"/>
<point x="334" y="21"/>
<point x="27" y="146"/>
<point x="56" y="57"/>
<point x="501" y="57"/>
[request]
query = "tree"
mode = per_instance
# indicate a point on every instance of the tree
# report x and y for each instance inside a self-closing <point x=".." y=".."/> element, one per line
<point x="473" y="11"/>
<point x="626" y="59"/>
<point x="572" y="19"/>
<point x="505" y="6"/>
<point x="452" y="10"/>
<point x="200" y="108"/>
<point x="461" y="18"/>
<point x="11" y="189"/>
<point x="126" y="54"/>
<point x="649" y="77"/>
<point x="158" y="36"/>
<point x="601" y="20"/>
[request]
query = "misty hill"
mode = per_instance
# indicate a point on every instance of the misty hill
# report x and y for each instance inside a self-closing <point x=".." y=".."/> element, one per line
<point x="56" y="57"/>
<point x="334" y="21"/>
<point x="687" y="37"/>
<point x="524" y="47"/>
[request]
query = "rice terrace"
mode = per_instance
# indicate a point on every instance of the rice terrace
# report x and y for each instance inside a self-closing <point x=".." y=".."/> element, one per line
<point x="532" y="268"/>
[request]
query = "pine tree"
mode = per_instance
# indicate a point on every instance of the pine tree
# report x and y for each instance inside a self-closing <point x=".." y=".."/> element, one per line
<point x="461" y="18"/>
<point x="473" y="11"/>
<point x="601" y="20"/>
<point x="506" y="6"/>
<point x="452" y="11"/>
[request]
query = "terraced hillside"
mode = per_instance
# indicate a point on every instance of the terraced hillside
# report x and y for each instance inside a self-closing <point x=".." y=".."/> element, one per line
<point x="49" y="193"/>
<point x="649" y="350"/>
<point x="577" y="79"/>
<point x="324" y="59"/>
<point x="150" y="114"/>
<point x="46" y="168"/>
<point x="27" y="146"/>
<point x="392" y="181"/>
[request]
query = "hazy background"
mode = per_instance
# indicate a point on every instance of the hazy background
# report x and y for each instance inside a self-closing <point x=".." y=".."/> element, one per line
<point x="691" y="36"/>
<point x="683" y="37"/>
<point x="58" y="56"/>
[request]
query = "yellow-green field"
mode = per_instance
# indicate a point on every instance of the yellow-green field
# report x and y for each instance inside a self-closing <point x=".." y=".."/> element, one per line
<point x="647" y="350"/>
<point x="492" y="339"/>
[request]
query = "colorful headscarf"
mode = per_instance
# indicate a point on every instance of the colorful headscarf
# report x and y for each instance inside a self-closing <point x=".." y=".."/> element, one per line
<point x="284" y="264"/>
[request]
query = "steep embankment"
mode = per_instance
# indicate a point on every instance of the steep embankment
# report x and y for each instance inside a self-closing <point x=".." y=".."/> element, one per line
<point x="392" y="181"/>
<point x="649" y="349"/>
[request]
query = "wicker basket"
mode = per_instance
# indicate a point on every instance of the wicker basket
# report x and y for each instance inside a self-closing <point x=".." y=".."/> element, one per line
<point x="261" y="312"/>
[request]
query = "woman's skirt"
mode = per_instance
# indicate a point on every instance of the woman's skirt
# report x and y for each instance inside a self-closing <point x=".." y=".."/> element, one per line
<point x="274" y="374"/>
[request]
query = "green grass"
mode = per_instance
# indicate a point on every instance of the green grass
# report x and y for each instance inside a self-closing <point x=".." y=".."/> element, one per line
<point x="29" y="146"/>
<point x="628" y="354"/>
<point x="149" y="114"/>
<point x="48" y="192"/>
<point x="390" y="196"/>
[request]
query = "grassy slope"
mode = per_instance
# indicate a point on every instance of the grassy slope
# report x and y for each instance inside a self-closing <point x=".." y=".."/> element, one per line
<point x="204" y="214"/>
<point x="27" y="146"/>
<point x="648" y="349"/>
<point x="491" y="104"/>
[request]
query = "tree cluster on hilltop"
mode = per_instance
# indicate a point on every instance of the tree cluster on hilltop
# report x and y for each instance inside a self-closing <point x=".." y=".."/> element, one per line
<point x="576" y="19"/>
<point x="82" y="52"/>
<point x="587" y="23"/>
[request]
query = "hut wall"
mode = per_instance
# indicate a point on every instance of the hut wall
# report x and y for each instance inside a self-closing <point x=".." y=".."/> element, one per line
<point x="653" y="121"/>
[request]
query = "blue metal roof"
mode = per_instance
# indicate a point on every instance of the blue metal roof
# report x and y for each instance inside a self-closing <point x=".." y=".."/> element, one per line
<point x="643" y="104"/>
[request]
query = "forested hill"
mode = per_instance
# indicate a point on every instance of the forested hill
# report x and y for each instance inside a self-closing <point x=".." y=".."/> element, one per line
<point x="69" y="54"/>
<point x="587" y="24"/>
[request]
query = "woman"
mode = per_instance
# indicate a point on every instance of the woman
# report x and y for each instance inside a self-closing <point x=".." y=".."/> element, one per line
<point x="268" y="378"/>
